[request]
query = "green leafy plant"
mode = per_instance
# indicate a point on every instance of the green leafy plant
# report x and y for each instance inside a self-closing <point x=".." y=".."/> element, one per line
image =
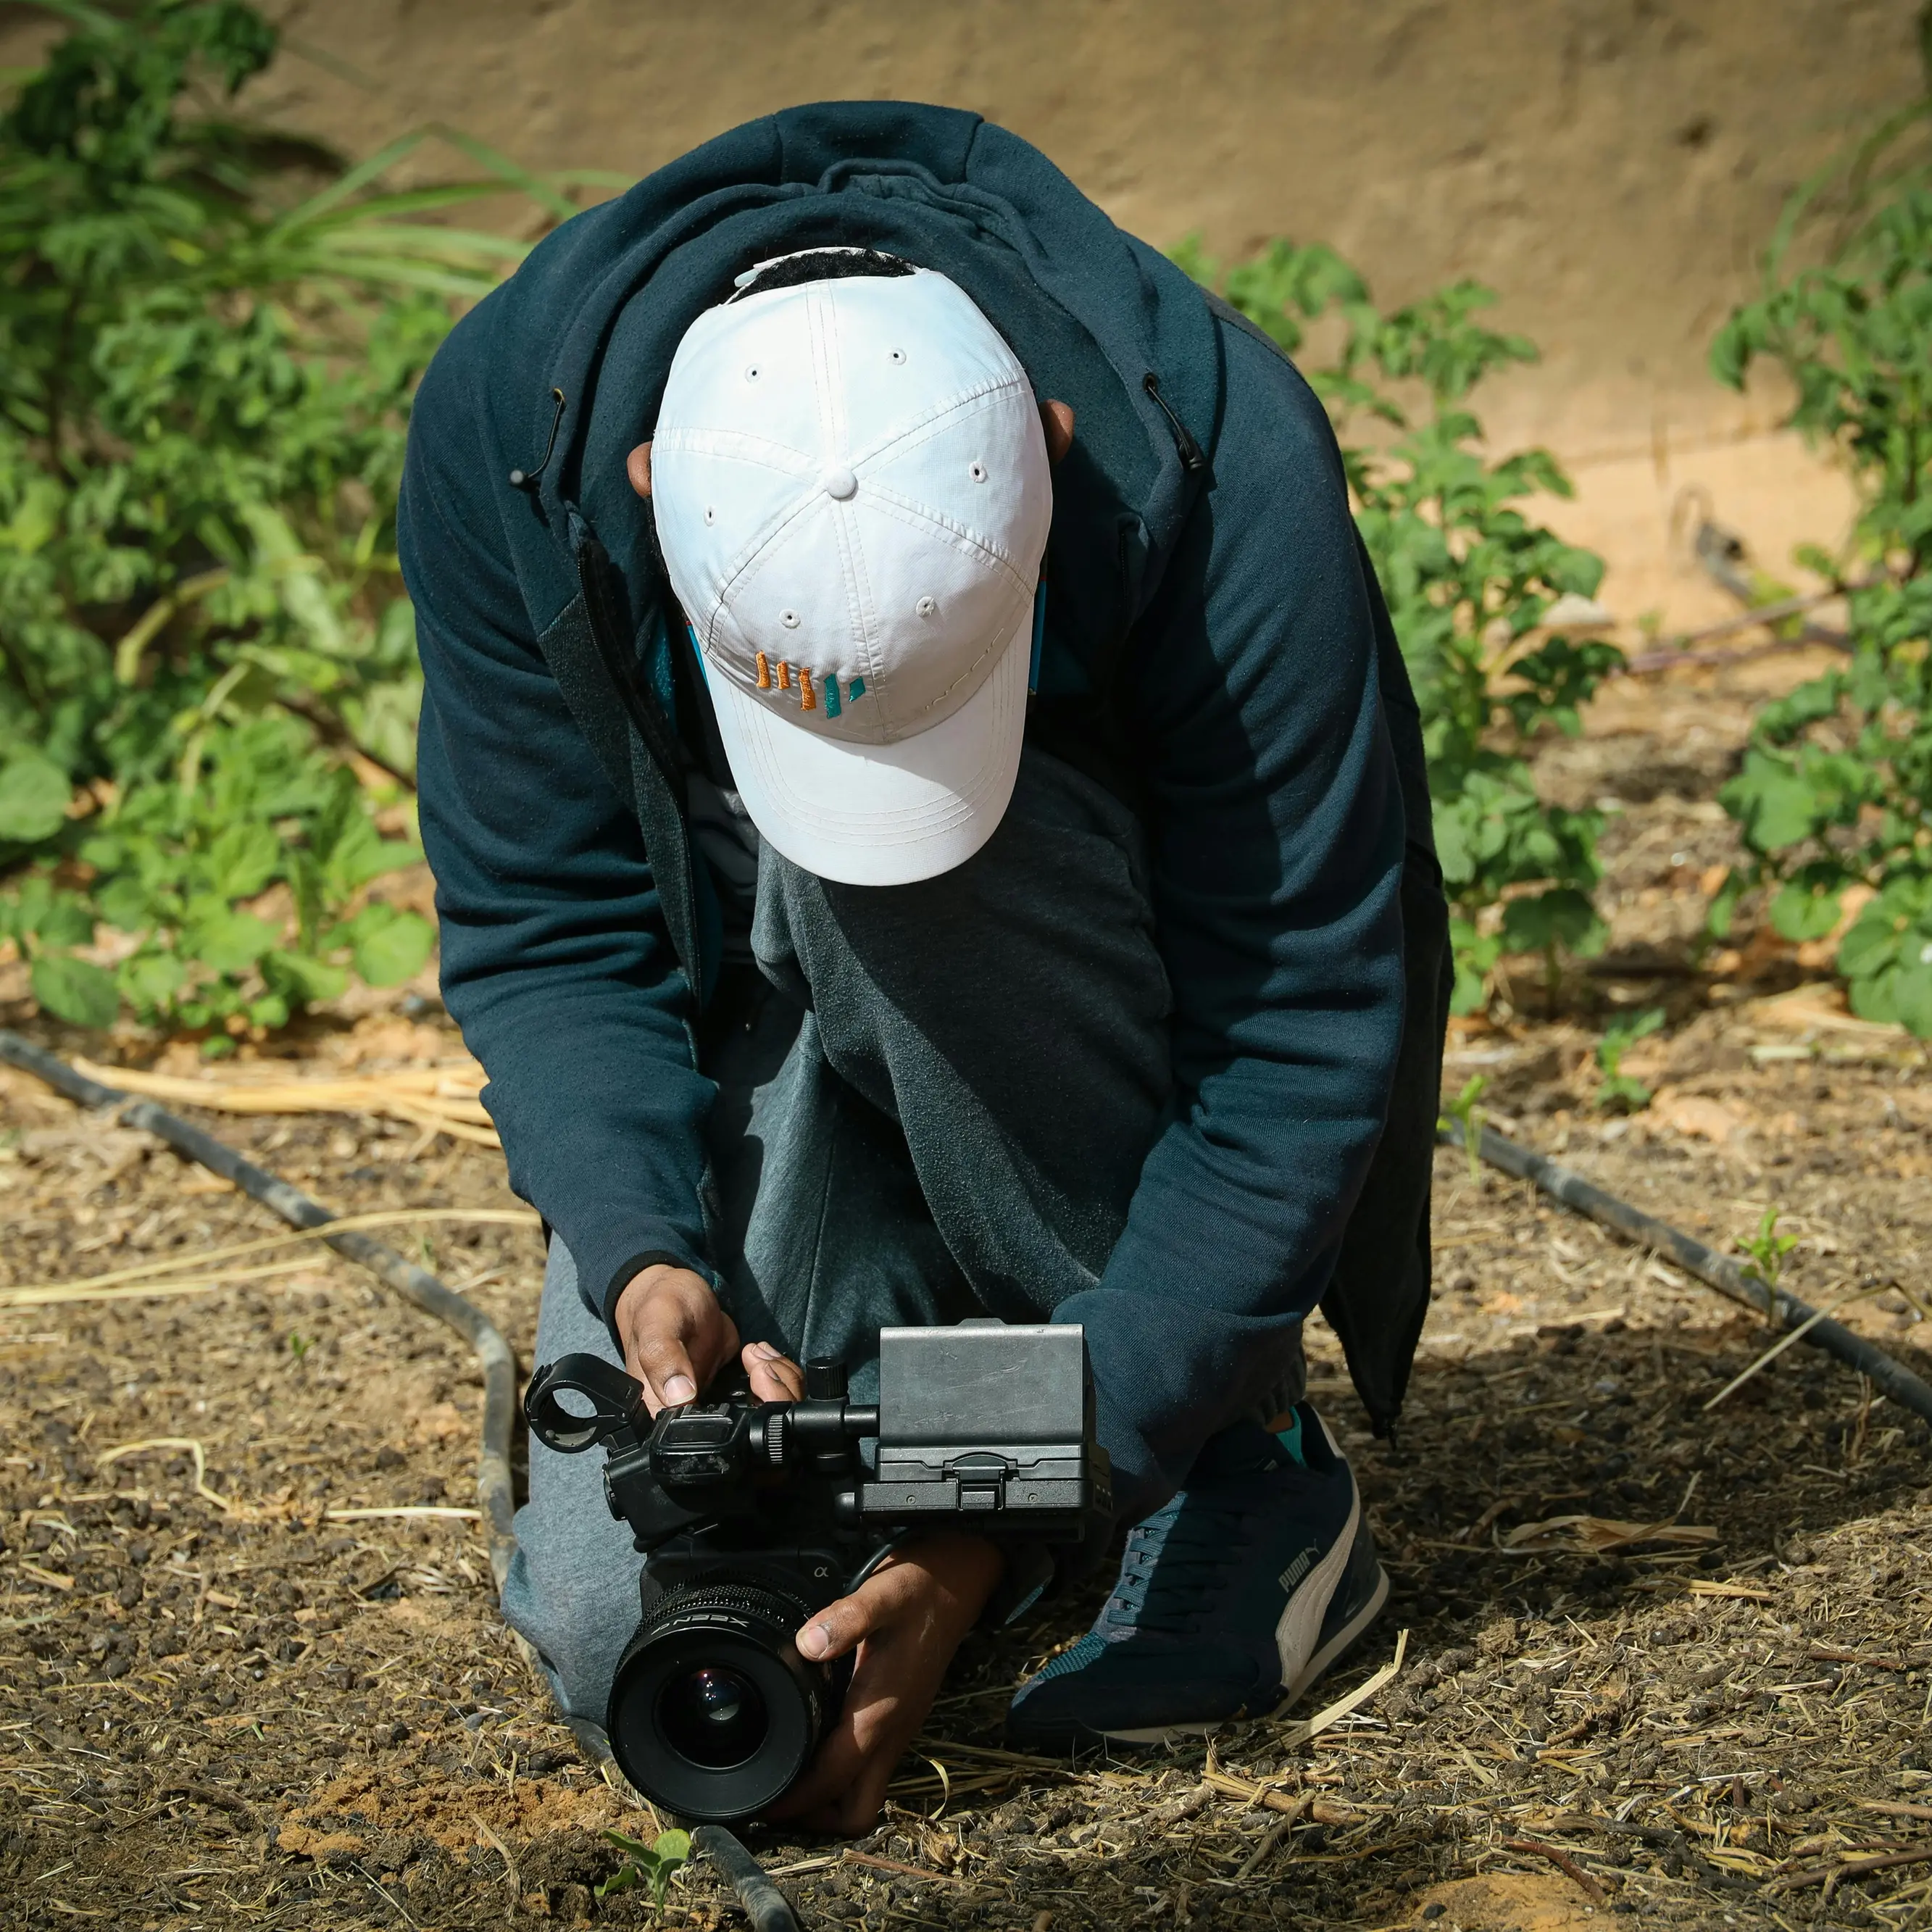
<point x="1470" y="580"/>
<point x="1768" y="1249"/>
<point x="299" y="1344"/>
<point x="1836" y="789"/>
<point x="1618" y="1089"/>
<point x="1468" y="1114"/>
<point x="46" y="923"/>
<point x="209" y="335"/>
<point x="650" y="1866"/>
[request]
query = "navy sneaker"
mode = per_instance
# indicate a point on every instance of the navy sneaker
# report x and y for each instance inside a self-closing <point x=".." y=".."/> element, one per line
<point x="1233" y="1598"/>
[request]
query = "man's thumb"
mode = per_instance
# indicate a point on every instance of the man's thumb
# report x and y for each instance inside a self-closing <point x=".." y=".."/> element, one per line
<point x="668" y="1374"/>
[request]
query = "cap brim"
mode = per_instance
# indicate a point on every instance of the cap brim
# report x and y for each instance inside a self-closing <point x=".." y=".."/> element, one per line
<point x="880" y="815"/>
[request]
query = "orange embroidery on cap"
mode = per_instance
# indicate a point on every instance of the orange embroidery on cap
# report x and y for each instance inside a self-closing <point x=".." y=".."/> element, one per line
<point x="784" y="675"/>
<point x="810" y="702"/>
<point x="764" y="672"/>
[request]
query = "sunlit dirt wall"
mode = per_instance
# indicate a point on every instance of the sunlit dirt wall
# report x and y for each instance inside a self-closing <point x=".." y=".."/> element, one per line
<point x="1612" y="167"/>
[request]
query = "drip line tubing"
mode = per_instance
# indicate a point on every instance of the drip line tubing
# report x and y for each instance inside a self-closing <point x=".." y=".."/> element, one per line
<point x="1778" y="1306"/>
<point x="415" y="1284"/>
<point x="767" y="1906"/>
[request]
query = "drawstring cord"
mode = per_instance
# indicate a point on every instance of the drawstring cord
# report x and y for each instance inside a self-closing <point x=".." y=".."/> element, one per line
<point x="1193" y="457"/>
<point x="526" y="479"/>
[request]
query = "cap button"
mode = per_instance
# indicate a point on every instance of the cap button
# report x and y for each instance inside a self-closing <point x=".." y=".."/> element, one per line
<point x="840" y="483"/>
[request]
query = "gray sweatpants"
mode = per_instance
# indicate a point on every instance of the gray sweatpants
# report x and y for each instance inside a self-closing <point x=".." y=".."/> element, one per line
<point x="934" y="1101"/>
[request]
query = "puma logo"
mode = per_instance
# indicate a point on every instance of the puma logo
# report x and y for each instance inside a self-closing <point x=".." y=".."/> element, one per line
<point x="1292" y="1575"/>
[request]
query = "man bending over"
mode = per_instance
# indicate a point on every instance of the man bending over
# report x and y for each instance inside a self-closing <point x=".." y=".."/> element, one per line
<point x="929" y="821"/>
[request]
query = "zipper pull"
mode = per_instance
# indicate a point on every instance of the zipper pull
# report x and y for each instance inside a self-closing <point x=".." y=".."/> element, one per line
<point x="1193" y="458"/>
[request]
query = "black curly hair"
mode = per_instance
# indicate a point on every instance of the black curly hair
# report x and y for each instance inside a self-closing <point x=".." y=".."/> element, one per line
<point x="820" y="265"/>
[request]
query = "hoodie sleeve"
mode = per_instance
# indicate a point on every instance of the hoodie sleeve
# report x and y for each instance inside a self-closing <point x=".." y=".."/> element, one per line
<point x="556" y="962"/>
<point x="1277" y="838"/>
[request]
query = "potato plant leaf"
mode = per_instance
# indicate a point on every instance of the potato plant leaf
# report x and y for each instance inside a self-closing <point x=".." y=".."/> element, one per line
<point x="34" y="795"/>
<point x="72" y="989"/>
<point x="231" y="941"/>
<point x="1836" y="787"/>
<point x="203" y="621"/>
<point x="390" y="945"/>
<point x="1460" y="563"/>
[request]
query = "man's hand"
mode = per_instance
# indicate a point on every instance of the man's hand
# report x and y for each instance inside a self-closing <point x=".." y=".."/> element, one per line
<point x="905" y="1620"/>
<point x="675" y="1338"/>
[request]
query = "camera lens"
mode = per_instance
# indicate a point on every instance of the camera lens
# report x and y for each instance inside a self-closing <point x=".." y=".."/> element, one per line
<point x="712" y="1715"/>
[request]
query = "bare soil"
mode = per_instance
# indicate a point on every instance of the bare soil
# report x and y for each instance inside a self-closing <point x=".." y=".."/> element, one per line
<point x="1698" y="1694"/>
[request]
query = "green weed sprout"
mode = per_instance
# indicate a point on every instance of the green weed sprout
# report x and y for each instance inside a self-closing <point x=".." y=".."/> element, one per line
<point x="1768" y="1248"/>
<point x="649" y="1865"/>
<point x="299" y="1344"/>
<point x="1618" y="1090"/>
<point x="1464" y="1110"/>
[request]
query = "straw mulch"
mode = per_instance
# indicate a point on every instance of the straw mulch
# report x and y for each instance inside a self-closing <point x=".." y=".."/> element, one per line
<point x="1660" y="1657"/>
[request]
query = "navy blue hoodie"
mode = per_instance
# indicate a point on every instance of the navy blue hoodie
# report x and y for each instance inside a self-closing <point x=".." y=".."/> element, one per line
<point x="1215" y="639"/>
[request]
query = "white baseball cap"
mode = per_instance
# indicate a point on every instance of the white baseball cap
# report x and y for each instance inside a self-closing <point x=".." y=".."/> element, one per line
<point x="850" y="485"/>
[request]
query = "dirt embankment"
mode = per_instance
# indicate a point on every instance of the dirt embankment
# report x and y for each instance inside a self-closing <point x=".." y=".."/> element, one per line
<point x="1613" y="167"/>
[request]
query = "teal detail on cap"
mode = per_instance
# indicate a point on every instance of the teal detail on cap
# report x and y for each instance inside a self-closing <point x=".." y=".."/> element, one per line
<point x="856" y="690"/>
<point x="831" y="688"/>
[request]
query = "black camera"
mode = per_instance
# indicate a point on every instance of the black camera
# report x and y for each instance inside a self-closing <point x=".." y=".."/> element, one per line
<point x="753" y="1515"/>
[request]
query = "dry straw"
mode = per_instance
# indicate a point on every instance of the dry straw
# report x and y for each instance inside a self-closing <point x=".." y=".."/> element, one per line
<point x="440" y="1099"/>
<point x="188" y="1274"/>
<point x="170" y="1442"/>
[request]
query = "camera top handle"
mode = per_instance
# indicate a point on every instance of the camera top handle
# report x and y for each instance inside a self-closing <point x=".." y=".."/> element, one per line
<point x="823" y="1425"/>
<point x="617" y="1404"/>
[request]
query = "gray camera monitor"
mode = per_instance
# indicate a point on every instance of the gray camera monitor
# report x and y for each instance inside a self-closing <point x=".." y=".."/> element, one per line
<point x="984" y="1419"/>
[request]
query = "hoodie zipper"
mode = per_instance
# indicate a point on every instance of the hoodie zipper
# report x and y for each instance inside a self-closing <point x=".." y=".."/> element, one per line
<point x="1193" y="458"/>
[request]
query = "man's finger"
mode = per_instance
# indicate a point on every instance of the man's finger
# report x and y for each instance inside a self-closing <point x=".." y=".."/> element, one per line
<point x="674" y="1333"/>
<point x="848" y="1805"/>
<point x="844" y="1624"/>
<point x="846" y="1781"/>
<point x="839" y="1627"/>
<point x="858" y="1811"/>
<point x="774" y="1378"/>
<point x="815" y="1798"/>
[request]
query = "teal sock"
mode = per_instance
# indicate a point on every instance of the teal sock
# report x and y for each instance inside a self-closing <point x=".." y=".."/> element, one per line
<point x="1290" y="1439"/>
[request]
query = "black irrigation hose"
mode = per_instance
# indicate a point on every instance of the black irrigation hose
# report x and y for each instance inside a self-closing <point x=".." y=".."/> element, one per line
<point x="413" y="1284"/>
<point x="1777" y="1305"/>
<point x="765" y="1905"/>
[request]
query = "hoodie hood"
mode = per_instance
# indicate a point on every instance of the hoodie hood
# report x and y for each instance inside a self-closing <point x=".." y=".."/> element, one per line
<point x="1099" y="320"/>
